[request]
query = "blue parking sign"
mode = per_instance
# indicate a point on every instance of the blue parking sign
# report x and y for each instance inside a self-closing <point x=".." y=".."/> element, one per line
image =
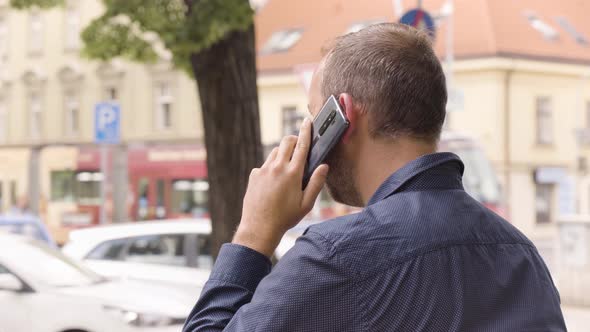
<point x="107" y="123"/>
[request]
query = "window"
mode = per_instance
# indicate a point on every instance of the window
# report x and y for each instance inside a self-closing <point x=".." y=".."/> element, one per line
<point x="13" y="192"/>
<point x="204" y="258"/>
<point x="357" y="26"/>
<point x="3" y="38"/>
<point x="72" y="114"/>
<point x="572" y="31"/>
<point x="291" y="120"/>
<point x="164" y="102"/>
<point x="190" y="197"/>
<point x="72" y="28"/>
<point x="110" y="250"/>
<point x="87" y="187"/>
<point x="36" y="31"/>
<point x="36" y="115"/>
<point x="143" y="198"/>
<point x="111" y="93"/>
<point x="544" y="121"/>
<point x="3" y="122"/>
<point x="281" y="41"/>
<point x="157" y="249"/>
<point x="543" y="202"/>
<point x="160" y="204"/>
<point x="546" y="30"/>
<point x="166" y="249"/>
<point x="62" y="186"/>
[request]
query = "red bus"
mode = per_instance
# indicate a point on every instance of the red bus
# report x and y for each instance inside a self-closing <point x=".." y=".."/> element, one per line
<point x="163" y="182"/>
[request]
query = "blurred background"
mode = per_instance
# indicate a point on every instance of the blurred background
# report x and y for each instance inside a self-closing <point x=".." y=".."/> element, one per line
<point x="103" y="128"/>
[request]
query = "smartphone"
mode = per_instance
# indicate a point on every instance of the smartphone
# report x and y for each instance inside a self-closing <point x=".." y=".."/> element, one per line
<point x="327" y="129"/>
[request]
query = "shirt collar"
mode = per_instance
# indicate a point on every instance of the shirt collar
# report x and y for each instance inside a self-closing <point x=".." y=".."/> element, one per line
<point x="393" y="183"/>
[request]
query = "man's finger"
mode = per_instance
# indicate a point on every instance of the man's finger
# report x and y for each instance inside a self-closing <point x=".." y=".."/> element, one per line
<point x="315" y="185"/>
<point x="286" y="148"/>
<point x="271" y="157"/>
<point x="303" y="143"/>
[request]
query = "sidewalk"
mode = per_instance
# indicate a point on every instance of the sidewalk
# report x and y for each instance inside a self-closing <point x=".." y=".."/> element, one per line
<point x="577" y="319"/>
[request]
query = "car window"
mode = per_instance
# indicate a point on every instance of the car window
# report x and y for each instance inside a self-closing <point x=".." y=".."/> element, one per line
<point x="157" y="249"/>
<point x="3" y="270"/>
<point x="110" y="250"/>
<point x="204" y="258"/>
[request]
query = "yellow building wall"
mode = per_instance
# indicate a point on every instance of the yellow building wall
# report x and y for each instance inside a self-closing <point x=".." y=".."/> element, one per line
<point x="274" y="93"/>
<point x="13" y="168"/>
<point x="562" y="90"/>
<point x="136" y="87"/>
<point x="482" y="115"/>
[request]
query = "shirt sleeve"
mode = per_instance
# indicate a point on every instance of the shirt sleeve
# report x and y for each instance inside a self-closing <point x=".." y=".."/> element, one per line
<point x="308" y="290"/>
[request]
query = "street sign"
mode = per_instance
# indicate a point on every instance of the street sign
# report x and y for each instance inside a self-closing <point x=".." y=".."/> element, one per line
<point x="107" y="123"/>
<point x="419" y="19"/>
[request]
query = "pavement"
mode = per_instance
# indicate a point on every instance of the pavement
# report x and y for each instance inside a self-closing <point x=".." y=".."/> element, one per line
<point x="577" y="319"/>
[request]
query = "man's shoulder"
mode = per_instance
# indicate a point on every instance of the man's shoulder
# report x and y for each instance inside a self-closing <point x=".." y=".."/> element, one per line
<point x="408" y="225"/>
<point x="338" y="229"/>
<point x="351" y="234"/>
<point x="379" y="218"/>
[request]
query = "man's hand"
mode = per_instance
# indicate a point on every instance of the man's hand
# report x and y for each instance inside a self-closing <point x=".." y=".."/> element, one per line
<point x="274" y="200"/>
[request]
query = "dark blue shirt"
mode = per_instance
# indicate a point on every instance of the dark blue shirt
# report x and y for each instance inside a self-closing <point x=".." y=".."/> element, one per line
<point x="422" y="256"/>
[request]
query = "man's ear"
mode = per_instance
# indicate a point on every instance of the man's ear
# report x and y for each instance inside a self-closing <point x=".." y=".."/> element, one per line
<point x="352" y="112"/>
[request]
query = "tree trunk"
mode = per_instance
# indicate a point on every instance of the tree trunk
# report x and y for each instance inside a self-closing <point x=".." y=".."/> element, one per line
<point x="226" y="79"/>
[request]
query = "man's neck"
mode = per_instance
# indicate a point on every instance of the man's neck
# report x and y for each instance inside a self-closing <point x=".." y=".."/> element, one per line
<point x="382" y="158"/>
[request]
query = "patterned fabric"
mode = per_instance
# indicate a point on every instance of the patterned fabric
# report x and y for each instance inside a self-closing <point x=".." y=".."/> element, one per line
<point x="422" y="256"/>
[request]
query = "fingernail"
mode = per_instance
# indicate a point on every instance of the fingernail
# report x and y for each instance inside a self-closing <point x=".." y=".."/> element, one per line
<point x="305" y="122"/>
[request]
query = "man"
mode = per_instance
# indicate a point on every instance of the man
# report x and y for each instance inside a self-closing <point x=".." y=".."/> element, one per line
<point x="421" y="256"/>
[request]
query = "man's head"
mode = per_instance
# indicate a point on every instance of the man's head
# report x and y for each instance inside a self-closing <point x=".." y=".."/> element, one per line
<point x="392" y="87"/>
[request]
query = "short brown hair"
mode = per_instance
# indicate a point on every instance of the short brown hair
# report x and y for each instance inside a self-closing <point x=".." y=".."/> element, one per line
<point x="391" y="70"/>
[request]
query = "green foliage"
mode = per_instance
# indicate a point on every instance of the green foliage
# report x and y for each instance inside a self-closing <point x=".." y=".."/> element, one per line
<point x="23" y="4"/>
<point x="105" y="40"/>
<point x="131" y="28"/>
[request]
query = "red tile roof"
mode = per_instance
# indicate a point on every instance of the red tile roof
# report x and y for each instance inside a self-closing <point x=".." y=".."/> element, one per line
<point x="483" y="28"/>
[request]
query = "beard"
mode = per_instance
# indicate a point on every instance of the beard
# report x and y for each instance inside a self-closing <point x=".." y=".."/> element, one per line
<point x="340" y="180"/>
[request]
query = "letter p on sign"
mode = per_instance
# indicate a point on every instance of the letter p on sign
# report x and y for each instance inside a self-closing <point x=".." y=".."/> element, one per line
<point x="107" y="123"/>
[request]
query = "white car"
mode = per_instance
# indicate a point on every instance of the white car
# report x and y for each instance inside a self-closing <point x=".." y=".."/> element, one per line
<point x="41" y="290"/>
<point x="170" y="252"/>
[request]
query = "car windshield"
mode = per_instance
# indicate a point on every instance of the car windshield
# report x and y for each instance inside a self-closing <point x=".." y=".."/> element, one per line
<point x="50" y="267"/>
<point x="479" y="178"/>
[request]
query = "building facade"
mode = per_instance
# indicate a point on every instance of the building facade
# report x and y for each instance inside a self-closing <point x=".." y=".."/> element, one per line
<point x="47" y="100"/>
<point x="521" y="71"/>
